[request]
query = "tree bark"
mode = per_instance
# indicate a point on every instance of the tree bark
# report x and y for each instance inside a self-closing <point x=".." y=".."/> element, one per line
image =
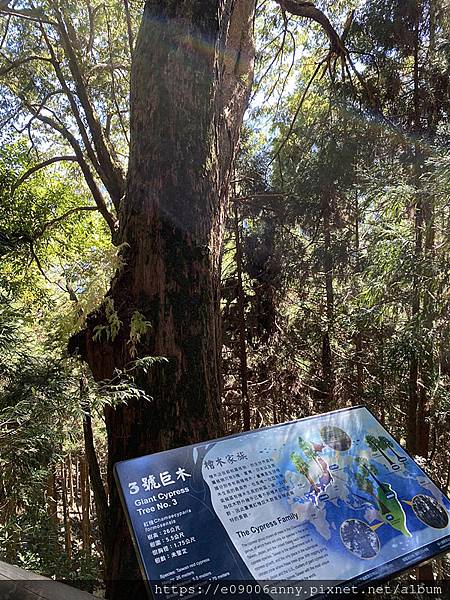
<point x="190" y="81"/>
<point x="66" y="513"/>
<point x="191" y="75"/>
<point x="95" y="477"/>
<point x="359" y="355"/>
<point x="85" y="504"/>
<point x="241" y="324"/>
<point x="52" y="498"/>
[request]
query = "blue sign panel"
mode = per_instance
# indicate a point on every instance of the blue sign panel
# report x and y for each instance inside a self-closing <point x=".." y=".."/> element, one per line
<point x="328" y="498"/>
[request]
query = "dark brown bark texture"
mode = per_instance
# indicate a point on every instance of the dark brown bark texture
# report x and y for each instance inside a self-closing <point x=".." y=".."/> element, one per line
<point x="191" y="75"/>
<point x="190" y="81"/>
<point x="242" y="329"/>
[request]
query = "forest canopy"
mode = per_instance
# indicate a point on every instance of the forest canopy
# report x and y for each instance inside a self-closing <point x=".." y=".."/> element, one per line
<point x="211" y="223"/>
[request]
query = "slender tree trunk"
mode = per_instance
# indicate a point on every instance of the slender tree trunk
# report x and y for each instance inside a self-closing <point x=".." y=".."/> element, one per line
<point x="99" y="492"/>
<point x="429" y="274"/>
<point x="241" y="324"/>
<point x="447" y="479"/>
<point x="327" y="360"/>
<point x="427" y="363"/>
<point x="274" y="411"/>
<point x="8" y="511"/>
<point x="411" y="438"/>
<point x="52" y="498"/>
<point x="359" y="333"/>
<point x="70" y="487"/>
<point x="414" y="394"/>
<point x="77" y="488"/>
<point x="411" y="435"/>
<point x="66" y="512"/>
<point x="85" y="504"/>
<point x="382" y="404"/>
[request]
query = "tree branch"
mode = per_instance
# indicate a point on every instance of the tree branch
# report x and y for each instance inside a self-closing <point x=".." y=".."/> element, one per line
<point x="37" y="15"/>
<point x="42" y="165"/>
<point x="113" y="178"/>
<point x="12" y="242"/>
<point x="309" y="11"/>
<point x="129" y="29"/>
<point x="110" y="66"/>
<point x="19" y="63"/>
<point x="49" y="224"/>
<point x="41" y="270"/>
<point x="5" y="33"/>
<point x="297" y="112"/>
<point x="96" y="194"/>
<point x="73" y="105"/>
<point x="113" y="81"/>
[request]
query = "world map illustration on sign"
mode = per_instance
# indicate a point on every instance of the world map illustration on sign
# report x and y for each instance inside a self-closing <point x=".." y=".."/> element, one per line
<point x="375" y="500"/>
<point x="361" y="497"/>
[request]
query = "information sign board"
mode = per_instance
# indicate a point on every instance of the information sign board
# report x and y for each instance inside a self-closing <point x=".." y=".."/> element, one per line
<point x="331" y="497"/>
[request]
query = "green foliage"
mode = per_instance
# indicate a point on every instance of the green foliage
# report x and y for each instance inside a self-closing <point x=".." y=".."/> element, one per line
<point x="49" y="258"/>
<point x="54" y="270"/>
<point x="342" y="186"/>
<point x="40" y="419"/>
<point x="109" y="331"/>
<point x="139" y="326"/>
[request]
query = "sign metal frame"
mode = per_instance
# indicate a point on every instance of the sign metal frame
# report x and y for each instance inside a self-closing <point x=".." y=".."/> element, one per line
<point x="357" y="581"/>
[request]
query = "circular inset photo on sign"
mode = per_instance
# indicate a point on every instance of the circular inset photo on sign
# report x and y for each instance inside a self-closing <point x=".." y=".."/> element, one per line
<point x="430" y="511"/>
<point x="359" y="539"/>
<point x="335" y="438"/>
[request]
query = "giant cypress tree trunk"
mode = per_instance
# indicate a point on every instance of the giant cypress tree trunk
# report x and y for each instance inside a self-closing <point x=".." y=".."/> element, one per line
<point x="191" y="76"/>
<point x="190" y="80"/>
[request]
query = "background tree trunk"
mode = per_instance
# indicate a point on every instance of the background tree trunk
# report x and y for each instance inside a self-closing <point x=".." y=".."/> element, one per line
<point x="359" y="354"/>
<point x="241" y="323"/>
<point x="85" y="504"/>
<point x="66" y="512"/>
<point x="52" y="498"/>
<point x="327" y="358"/>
